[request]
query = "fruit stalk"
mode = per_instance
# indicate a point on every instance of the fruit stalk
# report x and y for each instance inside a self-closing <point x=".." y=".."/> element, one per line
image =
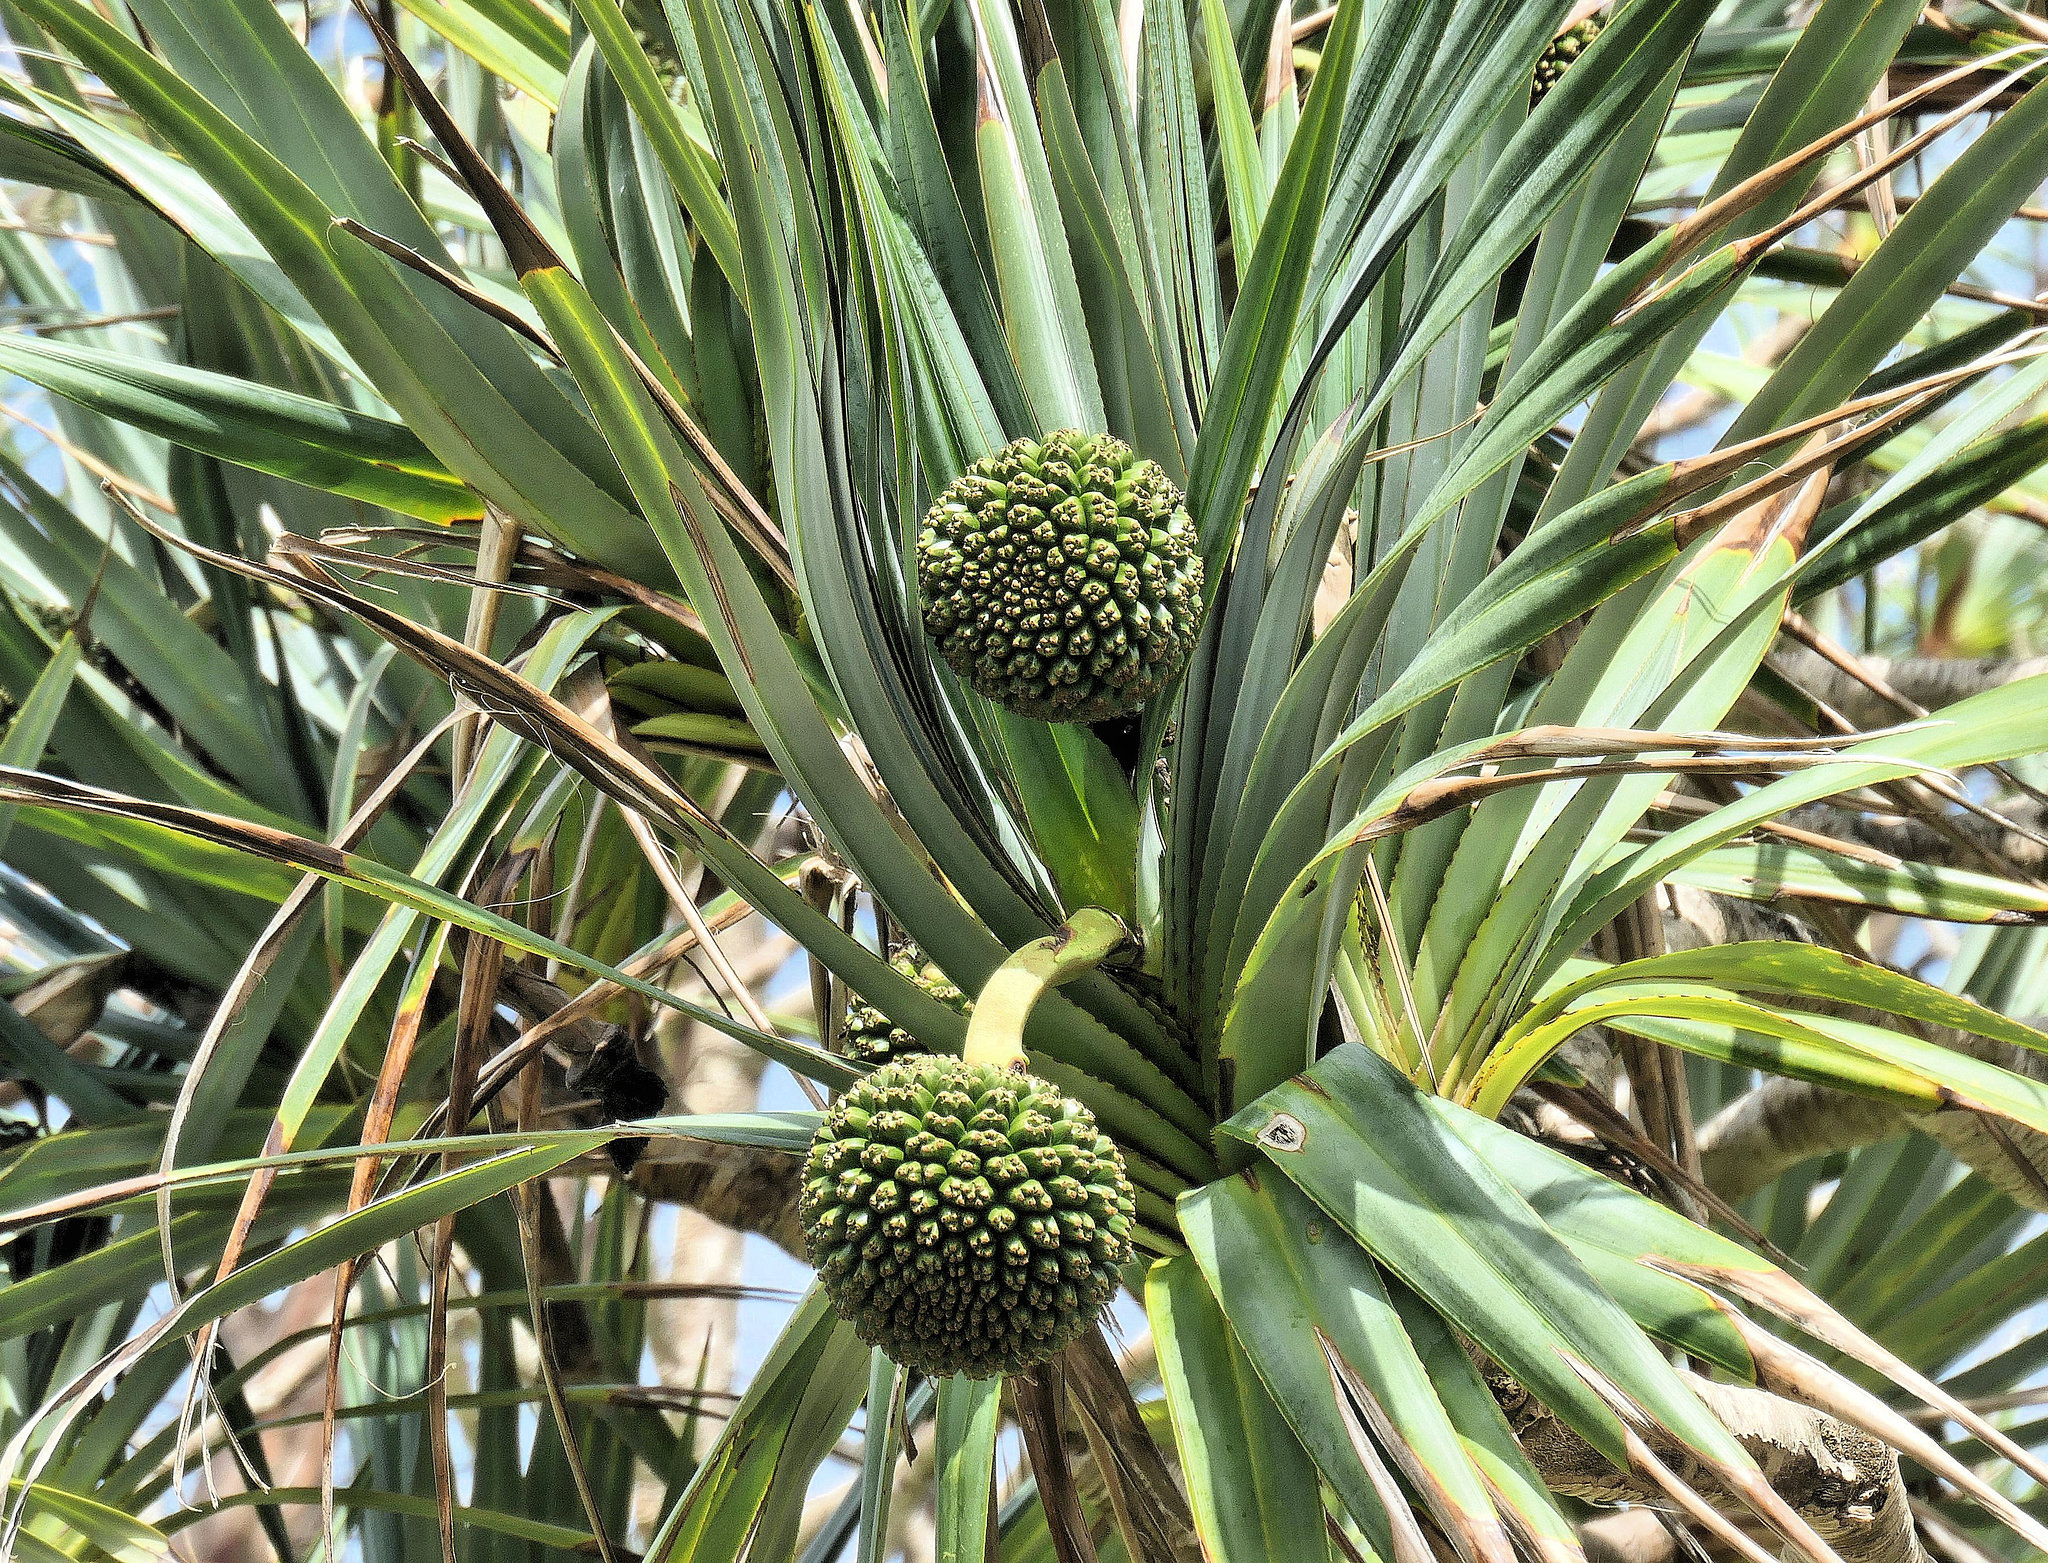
<point x="995" y="1034"/>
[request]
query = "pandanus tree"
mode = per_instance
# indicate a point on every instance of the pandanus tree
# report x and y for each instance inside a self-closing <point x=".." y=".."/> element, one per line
<point x="1326" y="803"/>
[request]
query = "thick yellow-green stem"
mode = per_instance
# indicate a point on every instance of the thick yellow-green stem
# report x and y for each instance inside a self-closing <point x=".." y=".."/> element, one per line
<point x="995" y="1036"/>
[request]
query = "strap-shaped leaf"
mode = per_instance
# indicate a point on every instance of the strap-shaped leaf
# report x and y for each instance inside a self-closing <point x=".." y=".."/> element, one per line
<point x="1177" y="191"/>
<point x="362" y="1498"/>
<point x="461" y="382"/>
<point x="1251" y="1486"/>
<point x="1040" y="297"/>
<point x="298" y="437"/>
<point x="1519" y="1492"/>
<point x="1825" y="81"/>
<point x="1611" y="1227"/>
<point x="1772" y="870"/>
<point x="1589" y="106"/>
<point x="109" y="1531"/>
<point x="1297" y="1291"/>
<point x="1262" y="324"/>
<point x="1289" y="880"/>
<point x="1246" y="185"/>
<point x="1144" y="402"/>
<point x="29" y="733"/>
<point x="1984" y="729"/>
<point x="1249" y="661"/>
<point x="523" y="44"/>
<point x="880" y="1446"/>
<point x="1796" y="970"/>
<point x="1943" y="232"/>
<point x="690" y="168"/>
<point x="722" y="1505"/>
<point x="965" y="1448"/>
<point x="1362" y="1142"/>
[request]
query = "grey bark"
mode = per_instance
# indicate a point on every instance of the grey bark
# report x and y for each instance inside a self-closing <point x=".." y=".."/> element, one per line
<point x="1918" y="842"/>
<point x="1930" y="682"/>
<point x="1759" y="1136"/>
<point x="1628" y="1536"/>
<point x="740" y="1188"/>
<point x="1783" y="1122"/>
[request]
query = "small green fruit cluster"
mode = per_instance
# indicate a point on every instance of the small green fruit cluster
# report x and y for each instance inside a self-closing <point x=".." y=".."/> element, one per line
<point x="965" y="1219"/>
<point x="1060" y="578"/>
<point x="1566" y="47"/>
<point x="872" y="1037"/>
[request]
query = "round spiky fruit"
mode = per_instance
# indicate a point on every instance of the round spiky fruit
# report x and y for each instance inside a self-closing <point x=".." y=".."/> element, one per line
<point x="1566" y="47"/>
<point x="871" y="1037"/>
<point x="965" y="1218"/>
<point x="1060" y="578"/>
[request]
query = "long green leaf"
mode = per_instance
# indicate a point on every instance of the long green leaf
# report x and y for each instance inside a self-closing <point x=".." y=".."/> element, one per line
<point x="965" y="1448"/>
<point x="524" y="44"/>
<point x="1296" y="1290"/>
<point x="1772" y="871"/>
<point x="689" y="166"/>
<point x="280" y="432"/>
<point x="1255" y="347"/>
<point x="1364" y="1145"/>
<point x="1250" y="1485"/>
<point x="29" y="733"/>
<point x="1944" y="231"/>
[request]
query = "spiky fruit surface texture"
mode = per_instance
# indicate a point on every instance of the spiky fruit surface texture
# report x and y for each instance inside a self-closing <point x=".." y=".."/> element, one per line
<point x="965" y="1219"/>
<point x="1566" y="47"/>
<point x="1060" y="578"/>
<point x="869" y="1035"/>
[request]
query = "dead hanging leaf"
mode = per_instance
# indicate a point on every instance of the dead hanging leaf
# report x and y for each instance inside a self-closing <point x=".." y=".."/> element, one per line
<point x="1687" y="235"/>
<point x="1151" y="1509"/>
<point x="255" y="968"/>
<point x="631" y="780"/>
<point x="1885" y="410"/>
<point x="1041" y="1412"/>
<point x="525" y="581"/>
<point x="453" y="281"/>
<point x="483" y="958"/>
<point x="405" y="1029"/>
<point x="1608" y="750"/>
<point x="510" y="699"/>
